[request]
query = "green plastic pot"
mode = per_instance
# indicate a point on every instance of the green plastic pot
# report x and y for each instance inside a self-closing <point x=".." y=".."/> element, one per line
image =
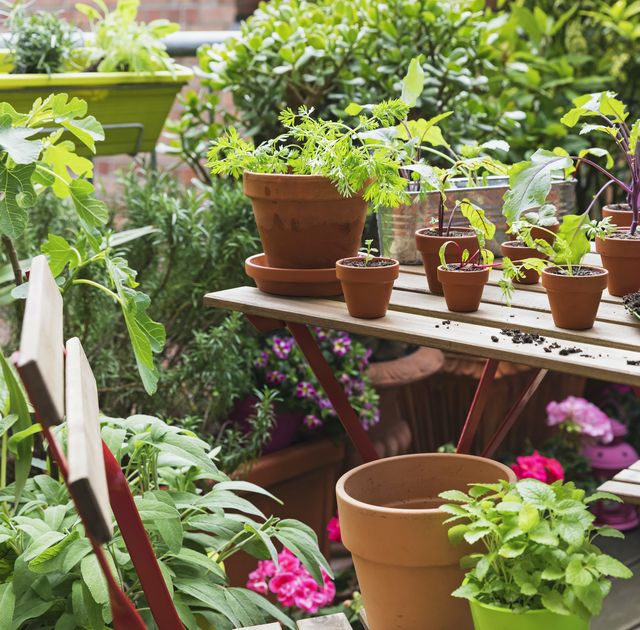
<point x="131" y="106"/>
<point x="486" y="617"/>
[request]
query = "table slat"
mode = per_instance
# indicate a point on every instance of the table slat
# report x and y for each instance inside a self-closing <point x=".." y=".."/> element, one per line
<point x="629" y="492"/>
<point x="628" y="475"/>
<point x="329" y="622"/>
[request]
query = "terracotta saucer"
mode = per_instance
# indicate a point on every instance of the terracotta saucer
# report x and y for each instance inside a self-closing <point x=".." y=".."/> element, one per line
<point x="297" y="282"/>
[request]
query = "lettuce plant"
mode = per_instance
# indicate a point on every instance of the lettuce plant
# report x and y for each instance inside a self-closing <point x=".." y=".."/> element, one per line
<point x="538" y="547"/>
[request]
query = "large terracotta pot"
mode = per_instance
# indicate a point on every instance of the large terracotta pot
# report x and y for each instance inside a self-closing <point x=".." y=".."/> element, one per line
<point x="429" y="246"/>
<point x="515" y="253"/>
<point x="389" y="520"/>
<point x="303" y="221"/>
<point x="574" y="300"/>
<point x="620" y="214"/>
<point x="543" y="233"/>
<point x="463" y="289"/>
<point x="367" y="290"/>
<point x="621" y="258"/>
<point x="487" y="617"/>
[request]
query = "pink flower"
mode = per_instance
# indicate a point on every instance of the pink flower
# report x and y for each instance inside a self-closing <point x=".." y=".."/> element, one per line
<point x="580" y="415"/>
<point x="333" y="529"/>
<point x="282" y="347"/>
<point x="538" y="467"/>
<point x="312" y="422"/>
<point x="305" y="390"/>
<point x="341" y="346"/>
<point x="292" y="583"/>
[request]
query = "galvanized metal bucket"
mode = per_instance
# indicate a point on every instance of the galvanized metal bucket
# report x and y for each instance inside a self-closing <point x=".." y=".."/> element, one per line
<point x="397" y="226"/>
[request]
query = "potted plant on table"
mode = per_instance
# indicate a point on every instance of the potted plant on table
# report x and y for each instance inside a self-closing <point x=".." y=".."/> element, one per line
<point x="123" y="63"/>
<point x="367" y="282"/>
<point x="310" y="187"/>
<point x="539" y="566"/>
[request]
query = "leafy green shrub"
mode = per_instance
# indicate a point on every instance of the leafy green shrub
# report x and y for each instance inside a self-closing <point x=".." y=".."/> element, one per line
<point x="195" y="520"/>
<point x="41" y="42"/>
<point x="539" y="552"/>
<point x="325" y="54"/>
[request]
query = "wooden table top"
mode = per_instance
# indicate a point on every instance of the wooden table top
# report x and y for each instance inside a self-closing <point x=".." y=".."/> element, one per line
<point x="416" y="316"/>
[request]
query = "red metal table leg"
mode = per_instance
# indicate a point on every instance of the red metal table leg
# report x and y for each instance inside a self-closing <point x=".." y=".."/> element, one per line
<point x="514" y="413"/>
<point x="334" y="391"/>
<point x="477" y="406"/>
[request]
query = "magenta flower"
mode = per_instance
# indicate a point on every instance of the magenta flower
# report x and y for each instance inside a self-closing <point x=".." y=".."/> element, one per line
<point x="341" y="346"/>
<point x="262" y="360"/>
<point x="536" y="466"/>
<point x="274" y="377"/>
<point x="333" y="529"/>
<point x="292" y="583"/>
<point x="282" y="347"/>
<point x="312" y="422"/>
<point x="582" y="416"/>
<point x="305" y="390"/>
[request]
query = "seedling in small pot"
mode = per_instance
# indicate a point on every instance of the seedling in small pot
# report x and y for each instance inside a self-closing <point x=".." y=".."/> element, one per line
<point x="367" y="282"/>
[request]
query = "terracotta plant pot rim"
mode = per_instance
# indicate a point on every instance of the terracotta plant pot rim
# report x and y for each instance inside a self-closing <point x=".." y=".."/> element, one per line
<point x="601" y="272"/>
<point x="291" y="186"/>
<point x="378" y="509"/>
<point x="613" y="237"/>
<point x="444" y="269"/>
<point x="512" y="246"/>
<point x="342" y="261"/>
<point x="287" y="177"/>
<point x="454" y="228"/>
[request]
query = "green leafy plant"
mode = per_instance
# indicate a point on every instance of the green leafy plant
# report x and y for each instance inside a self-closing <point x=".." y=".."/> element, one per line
<point x="539" y="552"/>
<point x="313" y="146"/>
<point x="369" y="252"/>
<point x="196" y="517"/>
<point x="122" y="44"/>
<point x="41" y="42"/>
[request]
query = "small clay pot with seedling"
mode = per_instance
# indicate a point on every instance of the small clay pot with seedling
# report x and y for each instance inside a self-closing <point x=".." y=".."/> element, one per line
<point x="367" y="282"/>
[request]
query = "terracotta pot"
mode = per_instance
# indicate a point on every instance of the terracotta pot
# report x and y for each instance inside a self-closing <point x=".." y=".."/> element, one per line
<point x="429" y="246"/>
<point x="389" y="520"/>
<point x="574" y="300"/>
<point x="620" y="214"/>
<point x="487" y="617"/>
<point x="367" y="290"/>
<point x="621" y="258"/>
<point x="297" y="282"/>
<point x="463" y="289"/>
<point x="303" y="221"/>
<point x="515" y="253"/>
<point x="543" y="234"/>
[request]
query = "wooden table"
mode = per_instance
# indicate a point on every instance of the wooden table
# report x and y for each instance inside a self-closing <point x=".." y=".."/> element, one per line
<point x="608" y="351"/>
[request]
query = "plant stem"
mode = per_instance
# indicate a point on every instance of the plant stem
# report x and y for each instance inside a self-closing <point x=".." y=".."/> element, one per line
<point x="12" y="254"/>
<point x="91" y="283"/>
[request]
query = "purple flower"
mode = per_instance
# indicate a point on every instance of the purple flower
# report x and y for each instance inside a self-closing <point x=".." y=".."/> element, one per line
<point x="282" y="347"/>
<point x="345" y="379"/>
<point x="358" y="385"/>
<point x="274" y="377"/>
<point x="364" y="359"/>
<point x="262" y="360"/>
<point x="305" y="390"/>
<point x="321" y="335"/>
<point x="324" y="403"/>
<point x="581" y="415"/>
<point x="341" y="346"/>
<point x="312" y="422"/>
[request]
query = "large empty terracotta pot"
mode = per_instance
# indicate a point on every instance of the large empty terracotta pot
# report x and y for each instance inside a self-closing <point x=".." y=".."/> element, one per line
<point x="390" y="522"/>
<point x="303" y="221"/>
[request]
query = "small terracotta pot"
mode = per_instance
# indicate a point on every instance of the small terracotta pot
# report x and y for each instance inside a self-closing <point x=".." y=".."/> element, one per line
<point x="367" y="290"/>
<point x="621" y="258"/>
<point x="303" y="221"/>
<point x="574" y="300"/>
<point x="390" y="523"/>
<point x="515" y="253"/>
<point x="429" y="246"/>
<point x="620" y="214"/>
<point x="542" y="234"/>
<point x="463" y="289"/>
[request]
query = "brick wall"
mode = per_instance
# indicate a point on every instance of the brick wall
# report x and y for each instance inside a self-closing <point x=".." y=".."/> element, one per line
<point x="195" y="15"/>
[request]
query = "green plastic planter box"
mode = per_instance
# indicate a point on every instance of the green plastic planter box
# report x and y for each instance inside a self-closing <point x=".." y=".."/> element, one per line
<point x="487" y="617"/>
<point x="132" y="107"/>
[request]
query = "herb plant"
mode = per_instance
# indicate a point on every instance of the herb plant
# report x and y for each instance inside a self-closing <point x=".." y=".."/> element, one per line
<point x="334" y="150"/>
<point x="369" y="252"/>
<point x="40" y="43"/>
<point x="125" y="45"/>
<point x="539" y="551"/>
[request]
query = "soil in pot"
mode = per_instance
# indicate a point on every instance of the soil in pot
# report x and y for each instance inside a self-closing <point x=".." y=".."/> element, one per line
<point x="620" y="255"/>
<point x="389" y="520"/>
<point x="429" y="243"/>
<point x="303" y="221"/>
<point x="543" y="234"/>
<point x="487" y="617"/>
<point x="574" y="300"/>
<point x="620" y="214"/>
<point x="463" y="287"/>
<point x="366" y="285"/>
<point x="517" y="250"/>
